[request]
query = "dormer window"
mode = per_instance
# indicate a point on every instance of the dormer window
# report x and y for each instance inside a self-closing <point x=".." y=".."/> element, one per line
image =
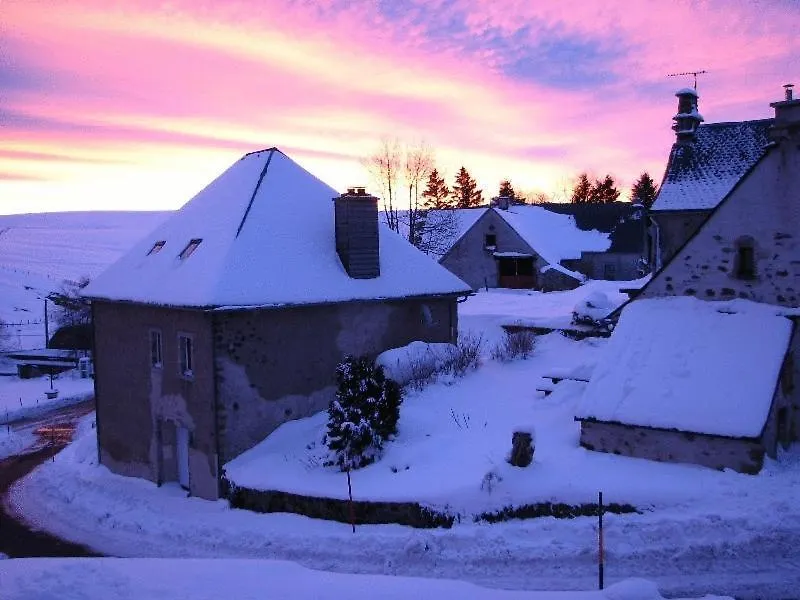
<point x="190" y="248"/>
<point x="157" y="247"/>
<point x="745" y="267"/>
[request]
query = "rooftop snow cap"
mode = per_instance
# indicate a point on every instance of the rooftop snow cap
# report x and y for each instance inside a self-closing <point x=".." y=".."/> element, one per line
<point x="787" y="117"/>
<point x="501" y="202"/>
<point x="356" y="222"/>
<point x="688" y="119"/>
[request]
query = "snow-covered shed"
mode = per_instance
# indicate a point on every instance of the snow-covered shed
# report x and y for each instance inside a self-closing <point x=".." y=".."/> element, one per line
<point x="705" y="163"/>
<point x="230" y="317"/>
<point x="522" y="247"/>
<point x="683" y="380"/>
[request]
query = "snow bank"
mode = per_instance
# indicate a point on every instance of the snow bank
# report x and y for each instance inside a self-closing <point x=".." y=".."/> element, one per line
<point x="152" y="579"/>
<point x="682" y="363"/>
<point x="398" y="363"/>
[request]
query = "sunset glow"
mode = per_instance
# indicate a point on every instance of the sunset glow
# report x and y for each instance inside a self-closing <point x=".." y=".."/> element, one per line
<point x="110" y="105"/>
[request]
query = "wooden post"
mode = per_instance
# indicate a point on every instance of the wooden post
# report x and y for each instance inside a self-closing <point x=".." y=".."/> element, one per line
<point x="600" y="535"/>
<point x="350" y="503"/>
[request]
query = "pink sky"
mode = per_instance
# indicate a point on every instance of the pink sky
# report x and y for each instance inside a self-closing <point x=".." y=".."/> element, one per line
<point x="110" y="105"/>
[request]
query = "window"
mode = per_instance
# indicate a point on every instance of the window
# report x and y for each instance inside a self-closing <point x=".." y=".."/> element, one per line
<point x="490" y="240"/>
<point x="190" y="248"/>
<point x="745" y="267"/>
<point x="609" y="272"/>
<point x="157" y="247"/>
<point x="155" y="349"/>
<point x="185" y="358"/>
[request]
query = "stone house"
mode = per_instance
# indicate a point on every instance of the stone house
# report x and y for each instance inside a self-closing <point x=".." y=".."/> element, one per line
<point x="513" y="246"/>
<point x="746" y="249"/>
<point x="705" y="163"/>
<point x="230" y="318"/>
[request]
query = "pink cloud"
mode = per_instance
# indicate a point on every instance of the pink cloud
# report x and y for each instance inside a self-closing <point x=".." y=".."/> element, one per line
<point x="328" y="79"/>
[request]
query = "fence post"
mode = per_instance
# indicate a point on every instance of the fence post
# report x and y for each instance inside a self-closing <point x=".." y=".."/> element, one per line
<point x="600" y="539"/>
<point x="350" y="502"/>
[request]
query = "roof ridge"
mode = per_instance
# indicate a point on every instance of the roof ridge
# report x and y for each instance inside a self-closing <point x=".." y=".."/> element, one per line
<point x="255" y="190"/>
<point x="754" y="121"/>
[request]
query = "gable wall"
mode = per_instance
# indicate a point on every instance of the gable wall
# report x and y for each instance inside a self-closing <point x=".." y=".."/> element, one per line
<point x="766" y="206"/>
<point x="138" y="407"/>
<point x="277" y="365"/>
<point x="674" y="229"/>
<point x="476" y="266"/>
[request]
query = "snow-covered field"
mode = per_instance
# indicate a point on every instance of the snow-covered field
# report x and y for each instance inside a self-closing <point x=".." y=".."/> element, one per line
<point x="21" y="398"/>
<point x="700" y="531"/>
<point x="148" y="579"/>
<point x="39" y="251"/>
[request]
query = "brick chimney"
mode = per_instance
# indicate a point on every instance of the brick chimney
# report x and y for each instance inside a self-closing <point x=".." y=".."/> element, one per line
<point x="688" y="119"/>
<point x="787" y="117"/>
<point x="356" y="223"/>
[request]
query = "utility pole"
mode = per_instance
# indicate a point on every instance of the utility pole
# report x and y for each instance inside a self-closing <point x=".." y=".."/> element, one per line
<point x="46" y="326"/>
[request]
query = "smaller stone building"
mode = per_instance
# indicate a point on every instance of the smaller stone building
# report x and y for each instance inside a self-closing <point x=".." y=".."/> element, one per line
<point x="684" y="380"/>
<point x="230" y="318"/>
<point x="515" y="246"/>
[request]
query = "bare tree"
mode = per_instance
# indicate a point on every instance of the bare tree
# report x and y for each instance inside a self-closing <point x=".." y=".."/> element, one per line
<point x="419" y="163"/>
<point x="70" y="307"/>
<point x="384" y="167"/>
<point x="438" y="231"/>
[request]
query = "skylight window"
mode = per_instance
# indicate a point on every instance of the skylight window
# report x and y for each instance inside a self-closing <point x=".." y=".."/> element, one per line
<point x="157" y="247"/>
<point x="190" y="248"/>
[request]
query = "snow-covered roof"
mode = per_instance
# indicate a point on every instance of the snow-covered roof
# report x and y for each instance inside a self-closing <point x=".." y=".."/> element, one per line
<point x="700" y="173"/>
<point x="686" y="364"/>
<point x="553" y="236"/>
<point x="263" y="234"/>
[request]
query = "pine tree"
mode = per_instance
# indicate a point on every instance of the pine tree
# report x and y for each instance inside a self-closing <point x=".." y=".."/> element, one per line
<point x="582" y="192"/>
<point x="506" y="189"/>
<point x="644" y="190"/>
<point x="604" y="191"/>
<point x="465" y="191"/>
<point x="436" y="194"/>
<point x="364" y="413"/>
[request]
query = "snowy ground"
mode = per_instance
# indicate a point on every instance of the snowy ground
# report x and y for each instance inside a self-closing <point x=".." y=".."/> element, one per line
<point x="701" y="531"/>
<point x="143" y="579"/>
<point x="22" y="398"/>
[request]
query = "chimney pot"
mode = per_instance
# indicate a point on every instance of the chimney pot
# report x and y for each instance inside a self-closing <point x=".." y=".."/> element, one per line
<point x="788" y="91"/>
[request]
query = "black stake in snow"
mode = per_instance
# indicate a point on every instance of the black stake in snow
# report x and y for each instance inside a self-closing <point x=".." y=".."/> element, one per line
<point x="350" y="503"/>
<point x="600" y="539"/>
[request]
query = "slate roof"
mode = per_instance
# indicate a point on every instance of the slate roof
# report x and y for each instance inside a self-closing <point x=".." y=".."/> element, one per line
<point x="700" y="173"/>
<point x="265" y="237"/>
<point x="617" y="218"/>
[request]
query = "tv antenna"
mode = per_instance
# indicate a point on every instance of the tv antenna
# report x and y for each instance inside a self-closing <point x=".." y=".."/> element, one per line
<point x="695" y="73"/>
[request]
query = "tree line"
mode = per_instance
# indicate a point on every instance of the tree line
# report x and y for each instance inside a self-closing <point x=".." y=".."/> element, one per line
<point x="416" y="196"/>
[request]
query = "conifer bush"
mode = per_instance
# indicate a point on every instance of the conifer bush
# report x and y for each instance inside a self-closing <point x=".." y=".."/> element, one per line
<point x="364" y="413"/>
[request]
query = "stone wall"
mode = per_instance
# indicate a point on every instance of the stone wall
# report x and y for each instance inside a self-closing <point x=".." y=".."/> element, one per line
<point x="740" y="454"/>
<point x="596" y="265"/>
<point x="674" y="229"/>
<point x="476" y="265"/>
<point x="139" y="406"/>
<point x="276" y="365"/>
<point x="333" y="509"/>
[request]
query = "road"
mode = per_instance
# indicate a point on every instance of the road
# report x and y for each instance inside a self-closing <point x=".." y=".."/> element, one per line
<point x="53" y="432"/>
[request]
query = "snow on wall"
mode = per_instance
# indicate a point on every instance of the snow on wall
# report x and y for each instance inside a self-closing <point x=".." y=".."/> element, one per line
<point x="680" y="363"/>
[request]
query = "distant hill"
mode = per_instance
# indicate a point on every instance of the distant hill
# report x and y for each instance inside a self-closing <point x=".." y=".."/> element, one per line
<point x="39" y="251"/>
